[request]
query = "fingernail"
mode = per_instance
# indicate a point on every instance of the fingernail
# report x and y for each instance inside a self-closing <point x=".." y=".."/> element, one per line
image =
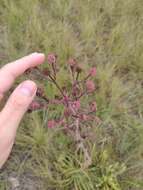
<point x="39" y="54"/>
<point x="27" y="88"/>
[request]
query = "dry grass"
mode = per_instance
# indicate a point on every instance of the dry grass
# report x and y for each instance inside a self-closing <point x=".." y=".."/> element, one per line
<point x="104" y="33"/>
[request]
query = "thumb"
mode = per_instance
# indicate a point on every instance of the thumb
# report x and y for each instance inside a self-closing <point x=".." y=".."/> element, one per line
<point x="16" y="106"/>
<point x="12" y="114"/>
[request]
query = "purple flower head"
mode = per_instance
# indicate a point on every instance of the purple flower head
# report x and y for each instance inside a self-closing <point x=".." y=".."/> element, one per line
<point x="90" y="86"/>
<point x="52" y="57"/>
<point x="92" y="71"/>
<point x="72" y="62"/>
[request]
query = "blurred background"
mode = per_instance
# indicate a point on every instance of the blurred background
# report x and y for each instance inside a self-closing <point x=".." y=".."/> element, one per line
<point x="107" y="34"/>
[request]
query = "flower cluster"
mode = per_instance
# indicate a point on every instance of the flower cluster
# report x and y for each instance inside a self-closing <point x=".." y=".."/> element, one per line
<point x="71" y="100"/>
<point x="75" y="114"/>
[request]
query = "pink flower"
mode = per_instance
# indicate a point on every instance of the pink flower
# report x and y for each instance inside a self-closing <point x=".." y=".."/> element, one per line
<point x="92" y="71"/>
<point x="76" y="105"/>
<point x="51" y="124"/>
<point x="90" y="86"/>
<point x="52" y="58"/>
<point x="72" y="62"/>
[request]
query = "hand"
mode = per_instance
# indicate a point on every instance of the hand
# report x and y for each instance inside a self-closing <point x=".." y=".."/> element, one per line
<point x="18" y="102"/>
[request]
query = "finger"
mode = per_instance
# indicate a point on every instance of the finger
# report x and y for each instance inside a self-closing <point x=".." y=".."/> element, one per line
<point x="15" y="108"/>
<point x="10" y="71"/>
<point x="5" y="149"/>
<point x="12" y="114"/>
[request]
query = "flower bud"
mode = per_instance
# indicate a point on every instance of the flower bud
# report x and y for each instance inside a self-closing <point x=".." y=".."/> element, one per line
<point x="90" y="86"/>
<point x="78" y="69"/>
<point x="92" y="71"/>
<point x="72" y="62"/>
<point x="52" y="58"/>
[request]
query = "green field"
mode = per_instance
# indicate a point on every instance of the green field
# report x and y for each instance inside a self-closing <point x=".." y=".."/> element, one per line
<point x="107" y="34"/>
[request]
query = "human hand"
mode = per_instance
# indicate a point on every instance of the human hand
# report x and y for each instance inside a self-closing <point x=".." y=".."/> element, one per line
<point x="18" y="101"/>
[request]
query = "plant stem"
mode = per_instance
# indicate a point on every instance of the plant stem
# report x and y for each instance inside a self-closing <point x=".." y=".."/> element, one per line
<point x="81" y="146"/>
<point x="54" y="70"/>
<point x="56" y="84"/>
<point x="53" y="80"/>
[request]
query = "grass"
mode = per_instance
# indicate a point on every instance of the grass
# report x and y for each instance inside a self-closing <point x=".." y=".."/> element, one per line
<point x="104" y="33"/>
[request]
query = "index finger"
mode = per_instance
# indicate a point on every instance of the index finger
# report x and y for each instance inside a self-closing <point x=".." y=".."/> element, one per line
<point x="10" y="71"/>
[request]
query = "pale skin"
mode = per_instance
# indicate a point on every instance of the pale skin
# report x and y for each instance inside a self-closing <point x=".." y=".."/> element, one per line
<point x="18" y="102"/>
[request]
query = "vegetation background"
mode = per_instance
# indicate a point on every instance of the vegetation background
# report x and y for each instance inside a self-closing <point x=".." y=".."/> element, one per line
<point x="109" y="35"/>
